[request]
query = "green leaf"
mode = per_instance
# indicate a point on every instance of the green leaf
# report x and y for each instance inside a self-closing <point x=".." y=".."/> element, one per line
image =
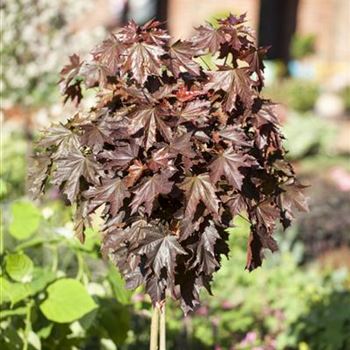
<point x="34" y="340"/>
<point x="114" y="318"/>
<point x="37" y="241"/>
<point x="45" y="331"/>
<point x="67" y="301"/>
<point x="4" y="290"/>
<point x="41" y="278"/>
<point x="25" y="219"/>
<point x="19" y="267"/>
<point x="118" y="286"/>
<point x="89" y="319"/>
<point x="13" y="292"/>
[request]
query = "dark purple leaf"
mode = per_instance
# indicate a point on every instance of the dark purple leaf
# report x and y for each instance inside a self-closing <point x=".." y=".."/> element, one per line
<point x="227" y="164"/>
<point x="69" y="170"/>
<point x="143" y="60"/>
<point x="63" y="138"/>
<point x="235" y="136"/>
<point x="111" y="191"/>
<point x="194" y="111"/>
<point x="208" y="39"/>
<point x="38" y="174"/>
<point x="293" y="198"/>
<point x="150" y="120"/>
<point x="205" y="252"/>
<point x="199" y="188"/>
<point x="71" y="70"/>
<point x="123" y="155"/>
<point x="110" y="54"/>
<point x="181" y="55"/>
<point x="161" y="249"/>
<point x="236" y="83"/>
<point x="254" y="57"/>
<point x="147" y="192"/>
<point x="95" y="135"/>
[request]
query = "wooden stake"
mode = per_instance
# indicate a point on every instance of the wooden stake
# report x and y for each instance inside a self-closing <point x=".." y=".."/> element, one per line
<point x="153" y="344"/>
<point x="162" y="331"/>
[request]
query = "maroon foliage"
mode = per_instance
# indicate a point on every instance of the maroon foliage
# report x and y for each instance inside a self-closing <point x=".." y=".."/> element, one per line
<point x="172" y="152"/>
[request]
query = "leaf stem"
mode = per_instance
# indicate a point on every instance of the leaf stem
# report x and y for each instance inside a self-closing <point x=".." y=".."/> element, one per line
<point x="146" y="97"/>
<point x="153" y="345"/>
<point x="80" y="272"/>
<point x="244" y="218"/>
<point x="27" y="326"/>
<point x="162" y="327"/>
<point x="54" y="258"/>
<point x="205" y="63"/>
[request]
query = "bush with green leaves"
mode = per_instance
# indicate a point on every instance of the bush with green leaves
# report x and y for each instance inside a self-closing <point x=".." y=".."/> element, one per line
<point x="302" y="95"/>
<point x="308" y="135"/>
<point x="55" y="293"/>
<point x="326" y="324"/>
<point x="297" y="94"/>
<point x="302" y="45"/>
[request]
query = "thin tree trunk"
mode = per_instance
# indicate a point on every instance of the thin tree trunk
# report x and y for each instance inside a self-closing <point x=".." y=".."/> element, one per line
<point x="162" y="332"/>
<point x="153" y="344"/>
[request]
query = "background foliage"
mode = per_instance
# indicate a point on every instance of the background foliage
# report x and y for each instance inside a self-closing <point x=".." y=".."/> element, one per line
<point x="37" y="36"/>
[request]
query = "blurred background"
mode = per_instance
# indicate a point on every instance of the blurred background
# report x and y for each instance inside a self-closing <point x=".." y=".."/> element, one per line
<point x="58" y="294"/>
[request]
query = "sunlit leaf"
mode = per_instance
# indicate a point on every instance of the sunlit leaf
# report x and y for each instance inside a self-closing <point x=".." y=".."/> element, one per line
<point x="25" y="219"/>
<point x="199" y="188"/>
<point x="67" y="301"/>
<point x="19" y="267"/>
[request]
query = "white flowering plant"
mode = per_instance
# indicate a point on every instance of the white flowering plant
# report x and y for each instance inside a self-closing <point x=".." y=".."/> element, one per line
<point x="36" y="37"/>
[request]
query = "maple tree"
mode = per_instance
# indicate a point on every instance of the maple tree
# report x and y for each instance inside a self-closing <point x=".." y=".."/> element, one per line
<point x="171" y="153"/>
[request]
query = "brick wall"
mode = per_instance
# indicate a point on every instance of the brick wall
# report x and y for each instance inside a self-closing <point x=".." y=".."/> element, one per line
<point x="329" y="20"/>
<point x="183" y="15"/>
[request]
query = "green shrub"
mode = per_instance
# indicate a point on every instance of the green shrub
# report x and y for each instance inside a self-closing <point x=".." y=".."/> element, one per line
<point x="55" y="293"/>
<point x="302" y="45"/>
<point x="308" y="135"/>
<point x="302" y="95"/>
<point x="296" y="94"/>
<point x="326" y="323"/>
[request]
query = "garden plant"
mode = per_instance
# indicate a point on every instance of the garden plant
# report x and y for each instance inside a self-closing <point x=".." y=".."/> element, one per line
<point x="178" y="144"/>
